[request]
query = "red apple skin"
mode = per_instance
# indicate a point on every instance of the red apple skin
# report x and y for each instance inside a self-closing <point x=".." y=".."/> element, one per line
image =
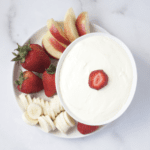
<point x="81" y="23"/>
<point x="48" y="53"/>
<point x="81" y="29"/>
<point x="57" y="45"/>
<point x="54" y="31"/>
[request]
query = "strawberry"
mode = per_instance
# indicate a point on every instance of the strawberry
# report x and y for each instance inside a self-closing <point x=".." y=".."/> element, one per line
<point x="98" y="79"/>
<point x="48" y="79"/>
<point x="29" y="83"/>
<point x="86" y="129"/>
<point x="32" y="57"/>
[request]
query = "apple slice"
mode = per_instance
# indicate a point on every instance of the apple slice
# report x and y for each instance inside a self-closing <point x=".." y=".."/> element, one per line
<point x="56" y="51"/>
<point x="82" y="24"/>
<point x="47" y="52"/>
<point x="57" y="31"/>
<point x="61" y="24"/>
<point x="69" y="25"/>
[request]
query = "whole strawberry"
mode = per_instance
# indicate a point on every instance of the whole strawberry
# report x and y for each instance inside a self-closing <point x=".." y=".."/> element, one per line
<point x="29" y="83"/>
<point x="32" y="57"/>
<point x="48" y="79"/>
<point x="86" y="129"/>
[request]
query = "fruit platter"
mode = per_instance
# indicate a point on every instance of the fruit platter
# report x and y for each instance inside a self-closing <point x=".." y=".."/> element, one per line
<point x="34" y="76"/>
<point x="71" y="78"/>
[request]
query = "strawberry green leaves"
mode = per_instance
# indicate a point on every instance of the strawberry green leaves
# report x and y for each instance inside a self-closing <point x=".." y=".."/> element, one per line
<point x="22" y="52"/>
<point x="51" y="69"/>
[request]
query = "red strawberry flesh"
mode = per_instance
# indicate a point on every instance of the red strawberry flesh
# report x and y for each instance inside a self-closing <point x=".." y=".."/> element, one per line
<point x="98" y="79"/>
<point x="86" y="129"/>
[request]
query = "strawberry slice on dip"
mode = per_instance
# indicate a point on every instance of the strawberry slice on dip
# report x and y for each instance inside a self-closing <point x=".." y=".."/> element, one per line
<point x="98" y="79"/>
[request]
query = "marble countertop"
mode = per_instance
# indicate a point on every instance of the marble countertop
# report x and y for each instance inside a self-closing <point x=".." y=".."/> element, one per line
<point x="126" y="19"/>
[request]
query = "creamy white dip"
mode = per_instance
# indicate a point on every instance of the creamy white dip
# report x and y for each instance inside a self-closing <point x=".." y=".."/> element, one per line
<point x="95" y="53"/>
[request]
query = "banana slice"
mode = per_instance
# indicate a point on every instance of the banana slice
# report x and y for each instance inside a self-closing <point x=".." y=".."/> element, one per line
<point x="24" y="101"/>
<point x="46" y="107"/>
<point x="36" y="100"/>
<point x="56" y="98"/>
<point x="42" y="103"/>
<point x="57" y="123"/>
<point x="44" y="124"/>
<point x="49" y="120"/>
<point x="69" y="120"/>
<point x="65" y="127"/>
<point x="61" y="124"/>
<point x="34" y="110"/>
<point x="29" y="120"/>
<point x="49" y="110"/>
<point x="51" y="113"/>
<point x="29" y="98"/>
<point x="54" y="105"/>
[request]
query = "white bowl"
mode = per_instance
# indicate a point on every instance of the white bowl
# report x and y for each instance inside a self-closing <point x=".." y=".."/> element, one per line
<point x="134" y="82"/>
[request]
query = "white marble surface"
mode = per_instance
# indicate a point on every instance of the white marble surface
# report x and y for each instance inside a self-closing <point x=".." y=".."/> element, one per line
<point x="126" y="19"/>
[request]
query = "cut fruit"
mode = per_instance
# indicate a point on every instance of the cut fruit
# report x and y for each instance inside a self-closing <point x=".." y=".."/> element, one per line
<point x="69" y="25"/>
<point x="29" y="120"/>
<point x="65" y="127"/>
<point x="49" y="110"/>
<point x="29" y="98"/>
<point x="48" y="53"/>
<point x="61" y="124"/>
<point x="57" y="31"/>
<point x="58" y="123"/>
<point x="55" y="106"/>
<point x="57" y="45"/>
<point x="98" y="79"/>
<point x="82" y="24"/>
<point x="70" y="121"/>
<point x="51" y="113"/>
<point x="56" y="98"/>
<point x="58" y="127"/>
<point x="44" y="124"/>
<point x="46" y="107"/>
<point x="49" y="48"/>
<point x="34" y="111"/>
<point x="61" y="24"/>
<point x="24" y="101"/>
<point x="49" y="120"/>
<point x="43" y="106"/>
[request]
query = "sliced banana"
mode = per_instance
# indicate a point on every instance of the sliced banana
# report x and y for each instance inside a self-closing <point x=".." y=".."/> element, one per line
<point x="51" y="113"/>
<point x="46" y="107"/>
<point x="42" y="102"/>
<point x="49" y="120"/>
<point x="58" y="125"/>
<point x="29" y="98"/>
<point x="34" y="110"/>
<point x="44" y="124"/>
<point x="24" y="101"/>
<point x="56" y="98"/>
<point x="29" y="120"/>
<point x="49" y="110"/>
<point x="70" y="121"/>
<point x="54" y="105"/>
<point x="61" y="124"/>
<point x="65" y="127"/>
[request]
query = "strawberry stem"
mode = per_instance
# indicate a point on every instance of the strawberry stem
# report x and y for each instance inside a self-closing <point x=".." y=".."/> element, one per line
<point x="21" y="79"/>
<point x="51" y="69"/>
<point x="22" y="52"/>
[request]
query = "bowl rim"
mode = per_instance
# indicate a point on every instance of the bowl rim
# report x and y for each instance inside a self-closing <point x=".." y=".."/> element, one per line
<point x="134" y="81"/>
